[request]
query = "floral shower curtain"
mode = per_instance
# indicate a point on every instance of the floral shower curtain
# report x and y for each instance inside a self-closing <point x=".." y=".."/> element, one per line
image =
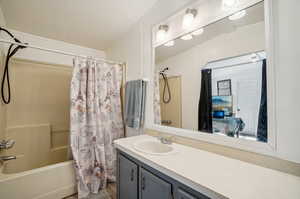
<point x="156" y="101"/>
<point x="96" y="120"/>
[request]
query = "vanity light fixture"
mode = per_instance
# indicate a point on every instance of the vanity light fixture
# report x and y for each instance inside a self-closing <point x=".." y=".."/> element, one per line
<point x="237" y="15"/>
<point x="198" y="32"/>
<point x="229" y="4"/>
<point x="186" y="37"/>
<point x="170" y="43"/>
<point x="161" y="34"/>
<point x="188" y="18"/>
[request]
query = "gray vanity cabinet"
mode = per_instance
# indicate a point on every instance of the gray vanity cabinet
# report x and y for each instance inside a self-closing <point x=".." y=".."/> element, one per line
<point x="128" y="179"/>
<point x="154" y="187"/>
<point x="137" y="180"/>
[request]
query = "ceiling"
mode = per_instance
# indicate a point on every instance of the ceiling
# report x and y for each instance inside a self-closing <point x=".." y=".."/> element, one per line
<point x="92" y="23"/>
<point x="255" y="14"/>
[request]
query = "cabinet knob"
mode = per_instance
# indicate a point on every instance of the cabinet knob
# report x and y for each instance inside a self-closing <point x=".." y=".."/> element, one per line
<point x="132" y="175"/>
<point x="143" y="183"/>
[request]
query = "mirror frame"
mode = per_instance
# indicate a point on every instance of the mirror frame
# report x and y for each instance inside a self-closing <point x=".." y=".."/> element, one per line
<point x="268" y="148"/>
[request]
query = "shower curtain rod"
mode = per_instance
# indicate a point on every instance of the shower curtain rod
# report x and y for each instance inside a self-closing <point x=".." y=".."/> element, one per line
<point x="59" y="51"/>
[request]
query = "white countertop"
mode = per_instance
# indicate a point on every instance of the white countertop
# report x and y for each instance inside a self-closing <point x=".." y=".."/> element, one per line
<point x="215" y="175"/>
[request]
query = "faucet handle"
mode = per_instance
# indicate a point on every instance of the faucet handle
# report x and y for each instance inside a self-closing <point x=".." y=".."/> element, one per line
<point x="7" y="144"/>
<point x="165" y="140"/>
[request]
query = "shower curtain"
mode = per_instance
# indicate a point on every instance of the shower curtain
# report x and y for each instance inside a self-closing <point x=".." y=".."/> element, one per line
<point x="205" y="102"/>
<point x="156" y="99"/>
<point x="96" y="120"/>
<point x="262" y="128"/>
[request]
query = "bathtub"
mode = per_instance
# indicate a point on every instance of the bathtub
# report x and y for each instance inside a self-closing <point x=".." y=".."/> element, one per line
<point x="49" y="182"/>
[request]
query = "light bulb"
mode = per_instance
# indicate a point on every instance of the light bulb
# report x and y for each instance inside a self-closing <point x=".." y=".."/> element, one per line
<point x="188" y="18"/>
<point x="161" y="34"/>
<point x="170" y="43"/>
<point x="186" y="37"/>
<point x="198" y="32"/>
<point x="237" y="15"/>
<point x="229" y="4"/>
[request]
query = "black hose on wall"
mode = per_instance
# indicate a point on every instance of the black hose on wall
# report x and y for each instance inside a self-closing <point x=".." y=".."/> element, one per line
<point x="5" y="78"/>
<point x="166" y="86"/>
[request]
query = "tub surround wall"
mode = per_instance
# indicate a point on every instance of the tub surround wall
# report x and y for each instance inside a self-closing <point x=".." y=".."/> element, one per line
<point x="40" y="101"/>
<point x="2" y="107"/>
<point x="38" y="115"/>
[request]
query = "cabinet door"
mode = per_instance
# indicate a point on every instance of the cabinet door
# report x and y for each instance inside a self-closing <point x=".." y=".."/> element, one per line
<point x="152" y="187"/>
<point x="128" y="183"/>
<point x="181" y="194"/>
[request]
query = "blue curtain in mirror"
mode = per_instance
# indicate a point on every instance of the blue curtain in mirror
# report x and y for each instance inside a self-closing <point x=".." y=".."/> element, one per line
<point x="205" y="102"/>
<point x="262" y="130"/>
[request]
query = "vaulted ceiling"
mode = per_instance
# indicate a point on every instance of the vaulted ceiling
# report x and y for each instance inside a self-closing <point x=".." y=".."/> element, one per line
<point x="90" y="23"/>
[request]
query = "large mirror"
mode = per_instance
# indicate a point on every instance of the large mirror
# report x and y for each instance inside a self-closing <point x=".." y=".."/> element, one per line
<point x="213" y="79"/>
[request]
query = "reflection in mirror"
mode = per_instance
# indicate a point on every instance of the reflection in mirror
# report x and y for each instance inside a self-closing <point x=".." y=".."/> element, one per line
<point x="214" y="80"/>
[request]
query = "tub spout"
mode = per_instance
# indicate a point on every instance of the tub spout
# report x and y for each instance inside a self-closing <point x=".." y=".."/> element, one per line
<point x="6" y="158"/>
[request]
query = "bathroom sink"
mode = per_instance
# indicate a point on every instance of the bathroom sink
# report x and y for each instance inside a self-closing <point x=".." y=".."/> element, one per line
<point x="153" y="147"/>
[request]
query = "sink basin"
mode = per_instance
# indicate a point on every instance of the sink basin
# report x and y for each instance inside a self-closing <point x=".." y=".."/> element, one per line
<point x="153" y="147"/>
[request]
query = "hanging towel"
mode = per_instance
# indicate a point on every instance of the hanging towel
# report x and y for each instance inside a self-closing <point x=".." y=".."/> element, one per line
<point x="135" y="98"/>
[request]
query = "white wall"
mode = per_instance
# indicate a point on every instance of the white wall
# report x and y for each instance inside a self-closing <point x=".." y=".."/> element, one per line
<point x="188" y="64"/>
<point x="287" y="51"/>
<point x="131" y="48"/>
<point x="286" y="32"/>
<point x="48" y="57"/>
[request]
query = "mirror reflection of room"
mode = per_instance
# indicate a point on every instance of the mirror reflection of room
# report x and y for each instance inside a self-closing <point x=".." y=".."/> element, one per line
<point x="214" y="79"/>
<point x="236" y="97"/>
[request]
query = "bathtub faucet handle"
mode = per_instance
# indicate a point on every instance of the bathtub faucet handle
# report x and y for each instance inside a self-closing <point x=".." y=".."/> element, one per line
<point x="7" y="158"/>
<point x="6" y="144"/>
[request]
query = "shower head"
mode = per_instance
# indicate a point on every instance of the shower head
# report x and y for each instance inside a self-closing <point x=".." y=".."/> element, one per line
<point x="164" y="70"/>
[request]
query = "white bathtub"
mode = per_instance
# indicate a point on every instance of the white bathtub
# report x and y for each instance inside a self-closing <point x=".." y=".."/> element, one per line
<point x="50" y="182"/>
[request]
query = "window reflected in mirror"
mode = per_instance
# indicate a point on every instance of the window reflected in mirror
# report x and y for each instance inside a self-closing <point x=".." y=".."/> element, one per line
<point x="216" y="81"/>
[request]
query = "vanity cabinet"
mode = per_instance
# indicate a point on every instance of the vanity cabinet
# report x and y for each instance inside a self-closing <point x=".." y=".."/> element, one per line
<point x="137" y="180"/>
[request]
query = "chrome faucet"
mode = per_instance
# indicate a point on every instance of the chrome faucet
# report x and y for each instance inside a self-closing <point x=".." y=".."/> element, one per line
<point x="7" y="158"/>
<point x="6" y="144"/>
<point x="165" y="140"/>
